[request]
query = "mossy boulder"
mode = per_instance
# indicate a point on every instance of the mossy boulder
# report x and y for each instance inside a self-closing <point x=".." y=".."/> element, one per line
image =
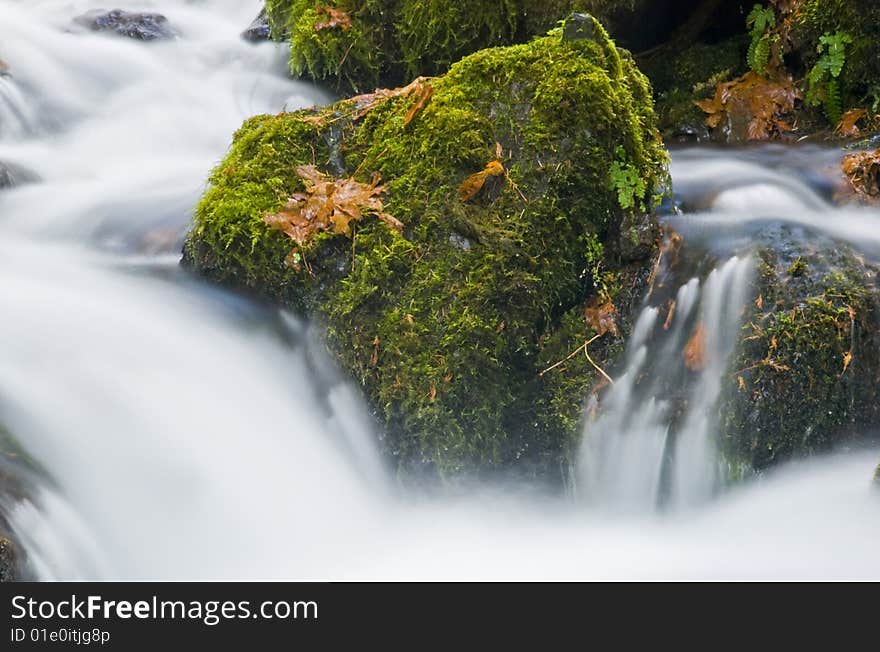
<point x="807" y="372"/>
<point x="447" y="325"/>
<point x="362" y="44"/>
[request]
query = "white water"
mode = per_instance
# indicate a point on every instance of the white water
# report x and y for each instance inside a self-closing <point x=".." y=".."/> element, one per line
<point x="191" y="435"/>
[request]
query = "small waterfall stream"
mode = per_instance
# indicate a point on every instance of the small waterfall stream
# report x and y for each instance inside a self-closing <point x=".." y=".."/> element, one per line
<point x="630" y="459"/>
<point x="175" y="430"/>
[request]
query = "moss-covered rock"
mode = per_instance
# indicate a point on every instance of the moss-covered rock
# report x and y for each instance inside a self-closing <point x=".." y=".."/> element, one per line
<point x="389" y="41"/>
<point x="807" y="373"/>
<point x="448" y="324"/>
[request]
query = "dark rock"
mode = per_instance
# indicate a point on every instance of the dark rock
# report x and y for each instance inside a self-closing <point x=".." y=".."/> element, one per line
<point x="578" y="27"/>
<point x="9" y="561"/>
<point x="13" y="175"/>
<point x="637" y="238"/>
<point x="259" y="29"/>
<point x="141" y="26"/>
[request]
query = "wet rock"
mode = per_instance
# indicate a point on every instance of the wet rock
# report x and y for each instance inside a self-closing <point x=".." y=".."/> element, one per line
<point x="9" y="561"/>
<point x="258" y="29"/>
<point x="578" y="27"/>
<point x="136" y="25"/>
<point x="637" y="238"/>
<point x="806" y="375"/>
<point x="13" y="175"/>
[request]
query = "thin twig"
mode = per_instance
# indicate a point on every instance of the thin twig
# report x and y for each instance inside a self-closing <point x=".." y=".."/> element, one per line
<point x="598" y="368"/>
<point x="572" y="354"/>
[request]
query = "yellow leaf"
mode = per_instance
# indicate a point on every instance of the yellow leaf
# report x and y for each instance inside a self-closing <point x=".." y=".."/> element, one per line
<point x="847" y="359"/>
<point x="472" y="185"/>
<point x="742" y="383"/>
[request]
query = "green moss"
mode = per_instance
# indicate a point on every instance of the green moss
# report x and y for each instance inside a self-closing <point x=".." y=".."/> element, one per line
<point x="392" y="41"/>
<point x="806" y="359"/>
<point x="467" y="302"/>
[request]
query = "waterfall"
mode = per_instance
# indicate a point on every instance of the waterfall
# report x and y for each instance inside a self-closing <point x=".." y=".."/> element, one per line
<point x="632" y="458"/>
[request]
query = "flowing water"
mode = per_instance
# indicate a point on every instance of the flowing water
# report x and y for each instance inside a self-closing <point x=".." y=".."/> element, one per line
<point x="174" y="430"/>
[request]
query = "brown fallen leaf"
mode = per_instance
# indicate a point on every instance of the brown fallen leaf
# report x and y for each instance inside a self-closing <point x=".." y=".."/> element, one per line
<point x="432" y="394"/>
<point x="335" y="18"/>
<point x="601" y="317"/>
<point x="742" y="383"/>
<point x="694" y="353"/>
<point x="847" y="360"/>
<point x="410" y="319"/>
<point x="759" y="302"/>
<point x="472" y="185"/>
<point x="424" y="91"/>
<point x="848" y="125"/>
<point x="758" y="102"/>
<point x="862" y="170"/>
<point x="366" y="102"/>
<point x="328" y="205"/>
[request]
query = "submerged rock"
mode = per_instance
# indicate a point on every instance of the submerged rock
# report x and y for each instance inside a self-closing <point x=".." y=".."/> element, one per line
<point x="136" y="25"/>
<point x="258" y="29"/>
<point x="14" y="175"/>
<point x="448" y="324"/>
<point x="807" y="374"/>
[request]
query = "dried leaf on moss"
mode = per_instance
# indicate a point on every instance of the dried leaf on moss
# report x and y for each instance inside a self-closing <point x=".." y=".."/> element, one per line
<point x="694" y="353"/>
<point x="424" y="91"/>
<point x="374" y="358"/>
<point x="760" y="102"/>
<point x="472" y="185"/>
<point x="328" y="205"/>
<point x="368" y="101"/>
<point x="335" y="18"/>
<point x="847" y="360"/>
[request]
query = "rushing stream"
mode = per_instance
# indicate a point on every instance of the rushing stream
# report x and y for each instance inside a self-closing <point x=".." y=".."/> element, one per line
<point x="178" y="431"/>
